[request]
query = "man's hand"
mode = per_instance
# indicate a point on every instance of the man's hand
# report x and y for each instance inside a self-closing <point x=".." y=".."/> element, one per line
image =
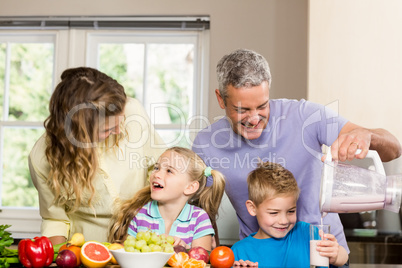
<point x="346" y="145"/>
<point x="353" y="137"/>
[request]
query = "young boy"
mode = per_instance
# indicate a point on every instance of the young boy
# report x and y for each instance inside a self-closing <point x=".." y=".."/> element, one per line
<point x="281" y="241"/>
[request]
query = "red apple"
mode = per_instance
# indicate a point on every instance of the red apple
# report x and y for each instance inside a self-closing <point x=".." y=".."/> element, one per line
<point x="66" y="259"/>
<point x="199" y="253"/>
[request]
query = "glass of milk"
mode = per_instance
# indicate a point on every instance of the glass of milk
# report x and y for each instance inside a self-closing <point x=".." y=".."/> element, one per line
<point x="317" y="232"/>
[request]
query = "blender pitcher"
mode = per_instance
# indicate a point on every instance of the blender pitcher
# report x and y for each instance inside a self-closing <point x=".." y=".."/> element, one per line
<point x="348" y="189"/>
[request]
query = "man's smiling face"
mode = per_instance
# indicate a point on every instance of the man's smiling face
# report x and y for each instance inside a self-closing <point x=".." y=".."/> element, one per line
<point x="247" y="109"/>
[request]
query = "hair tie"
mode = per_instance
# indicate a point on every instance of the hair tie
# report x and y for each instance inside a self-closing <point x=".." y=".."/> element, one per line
<point x="207" y="172"/>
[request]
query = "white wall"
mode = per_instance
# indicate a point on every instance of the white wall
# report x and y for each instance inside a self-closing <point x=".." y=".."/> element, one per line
<point x="355" y="59"/>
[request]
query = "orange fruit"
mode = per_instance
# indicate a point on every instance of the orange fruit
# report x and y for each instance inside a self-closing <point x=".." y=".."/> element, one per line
<point x="193" y="263"/>
<point x="114" y="246"/>
<point x="95" y="255"/>
<point x="178" y="259"/>
<point x="75" y="249"/>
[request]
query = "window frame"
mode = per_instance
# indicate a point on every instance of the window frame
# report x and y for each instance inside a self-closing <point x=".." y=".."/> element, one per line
<point x="23" y="221"/>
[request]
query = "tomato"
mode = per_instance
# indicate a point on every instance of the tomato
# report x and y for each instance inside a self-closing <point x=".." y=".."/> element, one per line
<point x="221" y="257"/>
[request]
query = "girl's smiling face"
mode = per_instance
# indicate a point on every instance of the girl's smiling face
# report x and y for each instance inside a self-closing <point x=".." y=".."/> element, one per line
<point x="275" y="216"/>
<point x="169" y="180"/>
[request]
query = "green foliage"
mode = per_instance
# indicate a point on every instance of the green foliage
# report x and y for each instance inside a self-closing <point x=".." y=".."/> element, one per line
<point x="29" y="90"/>
<point x="175" y="96"/>
<point x="30" y="87"/>
<point x="5" y="238"/>
<point x="113" y="61"/>
<point x="18" y="190"/>
<point x="5" y="241"/>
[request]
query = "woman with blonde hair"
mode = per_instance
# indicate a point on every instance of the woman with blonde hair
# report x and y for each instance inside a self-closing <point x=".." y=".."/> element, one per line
<point x="178" y="202"/>
<point x="95" y="152"/>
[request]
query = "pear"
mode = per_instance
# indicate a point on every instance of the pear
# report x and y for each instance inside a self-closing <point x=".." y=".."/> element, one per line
<point x="76" y="240"/>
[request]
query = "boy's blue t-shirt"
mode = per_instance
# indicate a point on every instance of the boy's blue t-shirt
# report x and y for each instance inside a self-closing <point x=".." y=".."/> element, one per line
<point x="293" y="250"/>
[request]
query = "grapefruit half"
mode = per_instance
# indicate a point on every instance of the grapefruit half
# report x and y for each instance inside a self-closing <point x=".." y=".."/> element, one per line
<point x="95" y="255"/>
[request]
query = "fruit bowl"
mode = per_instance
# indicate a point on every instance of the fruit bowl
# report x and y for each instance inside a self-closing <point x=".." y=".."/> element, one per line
<point x="140" y="259"/>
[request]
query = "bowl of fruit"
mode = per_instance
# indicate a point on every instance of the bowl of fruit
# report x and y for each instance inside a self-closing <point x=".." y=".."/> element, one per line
<point x="148" y="249"/>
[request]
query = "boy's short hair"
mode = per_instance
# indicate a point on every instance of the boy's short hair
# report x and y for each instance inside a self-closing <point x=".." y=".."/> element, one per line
<point x="270" y="180"/>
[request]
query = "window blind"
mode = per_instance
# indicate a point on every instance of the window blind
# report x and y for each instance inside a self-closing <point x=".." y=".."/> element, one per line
<point x="125" y="22"/>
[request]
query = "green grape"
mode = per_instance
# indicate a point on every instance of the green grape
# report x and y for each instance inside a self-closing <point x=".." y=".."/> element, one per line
<point x="130" y="237"/>
<point x="129" y="249"/>
<point x="129" y="243"/>
<point x="170" y="239"/>
<point x="145" y="249"/>
<point x="154" y="239"/>
<point x="140" y="235"/>
<point x="168" y="248"/>
<point x="162" y="239"/>
<point x="156" y="248"/>
<point x="149" y="241"/>
<point x="163" y="244"/>
<point x="146" y="236"/>
<point x="163" y="236"/>
<point x="139" y="244"/>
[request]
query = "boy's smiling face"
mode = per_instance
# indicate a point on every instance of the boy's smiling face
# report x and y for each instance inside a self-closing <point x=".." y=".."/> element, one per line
<point x="275" y="216"/>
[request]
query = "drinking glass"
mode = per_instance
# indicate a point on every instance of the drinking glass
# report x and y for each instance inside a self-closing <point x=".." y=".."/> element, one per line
<point x="317" y="232"/>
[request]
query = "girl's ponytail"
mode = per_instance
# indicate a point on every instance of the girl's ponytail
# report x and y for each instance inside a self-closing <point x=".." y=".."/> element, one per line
<point x="210" y="197"/>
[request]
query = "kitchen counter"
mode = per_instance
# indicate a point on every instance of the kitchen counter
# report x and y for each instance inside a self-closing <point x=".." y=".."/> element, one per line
<point x="351" y="266"/>
<point x="375" y="265"/>
<point x="370" y="235"/>
<point x="370" y="248"/>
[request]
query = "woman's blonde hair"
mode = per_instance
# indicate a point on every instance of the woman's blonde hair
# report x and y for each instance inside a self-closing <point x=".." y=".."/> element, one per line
<point x="270" y="180"/>
<point x="83" y="98"/>
<point x="206" y="197"/>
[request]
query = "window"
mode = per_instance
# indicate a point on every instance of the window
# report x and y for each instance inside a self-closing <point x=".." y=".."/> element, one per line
<point x="159" y="70"/>
<point x="163" y="68"/>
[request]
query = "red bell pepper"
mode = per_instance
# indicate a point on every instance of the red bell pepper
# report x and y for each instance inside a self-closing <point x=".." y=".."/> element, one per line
<point x="36" y="253"/>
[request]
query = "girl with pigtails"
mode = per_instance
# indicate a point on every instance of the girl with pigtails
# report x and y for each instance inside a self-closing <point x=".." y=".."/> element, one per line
<point x="177" y="202"/>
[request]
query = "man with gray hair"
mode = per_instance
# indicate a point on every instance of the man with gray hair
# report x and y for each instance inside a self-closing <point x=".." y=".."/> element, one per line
<point x="287" y="132"/>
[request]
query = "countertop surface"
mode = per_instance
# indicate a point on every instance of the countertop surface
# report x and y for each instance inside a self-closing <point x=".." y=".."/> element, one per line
<point x="370" y="235"/>
<point x="352" y="265"/>
<point x="375" y="265"/>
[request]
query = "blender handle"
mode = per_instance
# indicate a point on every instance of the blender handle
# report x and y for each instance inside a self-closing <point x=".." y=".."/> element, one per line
<point x="379" y="167"/>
